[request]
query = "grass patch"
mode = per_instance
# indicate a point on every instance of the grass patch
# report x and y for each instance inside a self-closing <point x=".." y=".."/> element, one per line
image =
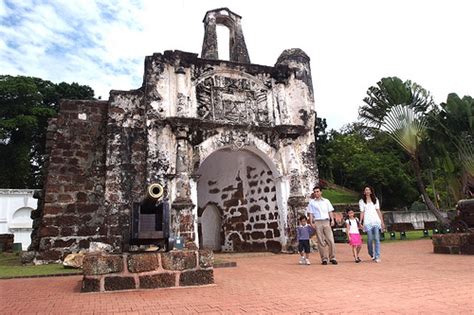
<point x="339" y="196"/>
<point x="10" y="266"/>
<point x="410" y="236"/>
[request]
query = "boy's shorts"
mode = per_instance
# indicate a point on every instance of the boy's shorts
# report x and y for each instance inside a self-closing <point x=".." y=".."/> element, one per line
<point x="303" y="245"/>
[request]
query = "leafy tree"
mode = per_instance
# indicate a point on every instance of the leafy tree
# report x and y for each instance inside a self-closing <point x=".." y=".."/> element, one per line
<point x="26" y="104"/>
<point x="359" y="157"/>
<point x="451" y="135"/>
<point x="322" y="139"/>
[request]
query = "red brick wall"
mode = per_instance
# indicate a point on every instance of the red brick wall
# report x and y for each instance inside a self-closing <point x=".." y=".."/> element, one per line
<point x="73" y="194"/>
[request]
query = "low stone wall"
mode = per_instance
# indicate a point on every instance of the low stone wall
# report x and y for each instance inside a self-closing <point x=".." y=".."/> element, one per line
<point x="130" y="271"/>
<point x="6" y="242"/>
<point x="456" y="243"/>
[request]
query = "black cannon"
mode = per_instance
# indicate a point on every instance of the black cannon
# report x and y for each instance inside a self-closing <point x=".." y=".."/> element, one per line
<point x="150" y="219"/>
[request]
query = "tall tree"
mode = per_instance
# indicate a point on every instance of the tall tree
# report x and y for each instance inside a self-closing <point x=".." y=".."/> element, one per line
<point x="398" y="108"/>
<point x="26" y="104"/>
<point x="452" y="133"/>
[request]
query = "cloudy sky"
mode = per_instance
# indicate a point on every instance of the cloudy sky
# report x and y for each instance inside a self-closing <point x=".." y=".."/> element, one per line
<point x="352" y="44"/>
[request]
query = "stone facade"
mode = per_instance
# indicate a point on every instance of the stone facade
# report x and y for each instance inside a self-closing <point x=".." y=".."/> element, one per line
<point x="116" y="272"/>
<point x="232" y="143"/>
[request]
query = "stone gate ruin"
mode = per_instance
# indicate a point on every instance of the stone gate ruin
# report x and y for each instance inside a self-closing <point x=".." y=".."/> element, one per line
<point x="232" y="143"/>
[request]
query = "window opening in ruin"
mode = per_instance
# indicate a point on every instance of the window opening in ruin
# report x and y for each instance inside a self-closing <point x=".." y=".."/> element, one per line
<point x="223" y="42"/>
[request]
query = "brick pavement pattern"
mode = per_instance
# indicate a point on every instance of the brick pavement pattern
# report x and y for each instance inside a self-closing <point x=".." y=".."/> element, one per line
<point x="410" y="279"/>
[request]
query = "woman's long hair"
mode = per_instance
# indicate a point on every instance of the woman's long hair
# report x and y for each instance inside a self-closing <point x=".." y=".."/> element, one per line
<point x="372" y="195"/>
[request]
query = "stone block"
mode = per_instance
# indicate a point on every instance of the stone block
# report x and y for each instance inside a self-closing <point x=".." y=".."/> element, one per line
<point x="49" y="231"/>
<point x="81" y="197"/>
<point x="51" y="255"/>
<point x="90" y="285"/>
<point x="469" y="238"/>
<point x="162" y="280"/>
<point x="143" y="262"/>
<point x="116" y="283"/>
<point x="257" y="235"/>
<point x="196" y="277"/>
<point x="62" y="243"/>
<point x="451" y="239"/>
<point x="84" y="244"/>
<point x="455" y="250"/>
<point x="441" y="250"/>
<point x="274" y="246"/>
<point x="67" y="220"/>
<point x="51" y="209"/>
<point x="206" y="258"/>
<point x="96" y="264"/>
<point x="437" y="240"/>
<point x="179" y="260"/>
<point x="467" y="249"/>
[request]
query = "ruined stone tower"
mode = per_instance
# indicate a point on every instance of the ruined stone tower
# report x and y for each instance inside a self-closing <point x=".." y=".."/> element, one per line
<point x="232" y="143"/>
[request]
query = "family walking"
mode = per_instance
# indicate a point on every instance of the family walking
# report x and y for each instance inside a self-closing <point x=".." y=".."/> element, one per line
<point x="320" y="220"/>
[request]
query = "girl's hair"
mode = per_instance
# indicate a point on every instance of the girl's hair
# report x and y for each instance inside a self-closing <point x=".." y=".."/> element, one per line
<point x="372" y="195"/>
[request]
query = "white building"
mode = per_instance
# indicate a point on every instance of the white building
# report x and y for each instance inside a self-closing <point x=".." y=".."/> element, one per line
<point x="15" y="211"/>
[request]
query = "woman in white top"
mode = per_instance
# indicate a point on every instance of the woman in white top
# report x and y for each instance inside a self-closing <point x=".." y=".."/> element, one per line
<point x="372" y="220"/>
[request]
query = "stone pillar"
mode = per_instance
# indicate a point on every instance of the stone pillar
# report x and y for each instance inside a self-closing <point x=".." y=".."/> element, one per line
<point x="181" y="210"/>
<point x="296" y="200"/>
<point x="292" y="166"/>
<point x="237" y="47"/>
<point x="209" y="45"/>
<point x="181" y="95"/>
<point x="296" y="207"/>
<point x="281" y="109"/>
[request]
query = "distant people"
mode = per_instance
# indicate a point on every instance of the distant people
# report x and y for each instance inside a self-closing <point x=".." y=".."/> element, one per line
<point x="372" y="220"/>
<point x="352" y="229"/>
<point x="303" y="233"/>
<point x="321" y="218"/>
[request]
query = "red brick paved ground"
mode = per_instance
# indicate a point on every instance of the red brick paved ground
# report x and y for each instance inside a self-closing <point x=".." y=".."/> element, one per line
<point x="410" y="279"/>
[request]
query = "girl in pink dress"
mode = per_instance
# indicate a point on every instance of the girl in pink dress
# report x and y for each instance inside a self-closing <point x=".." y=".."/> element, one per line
<point x="352" y="229"/>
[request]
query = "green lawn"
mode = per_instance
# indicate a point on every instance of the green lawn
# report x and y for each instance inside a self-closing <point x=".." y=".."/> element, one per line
<point x="10" y="266"/>
<point x="340" y="196"/>
<point x="410" y="236"/>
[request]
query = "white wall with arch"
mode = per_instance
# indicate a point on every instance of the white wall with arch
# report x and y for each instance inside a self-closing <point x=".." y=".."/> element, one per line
<point x="15" y="211"/>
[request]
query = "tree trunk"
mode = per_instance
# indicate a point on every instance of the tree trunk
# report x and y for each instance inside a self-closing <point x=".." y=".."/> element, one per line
<point x="421" y="186"/>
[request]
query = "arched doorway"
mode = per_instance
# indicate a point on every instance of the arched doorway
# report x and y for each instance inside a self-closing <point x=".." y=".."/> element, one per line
<point x="242" y="189"/>
<point x="211" y="228"/>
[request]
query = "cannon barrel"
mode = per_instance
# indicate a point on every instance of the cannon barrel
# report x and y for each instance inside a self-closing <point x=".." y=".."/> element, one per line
<point x="155" y="191"/>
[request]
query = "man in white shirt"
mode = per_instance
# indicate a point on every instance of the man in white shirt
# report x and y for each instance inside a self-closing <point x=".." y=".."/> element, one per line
<point x="321" y="217"/>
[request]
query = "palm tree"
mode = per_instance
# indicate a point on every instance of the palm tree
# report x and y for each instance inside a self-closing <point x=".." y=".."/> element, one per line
<point x="398" y="108"/>
<point x="388" y="93"/>
<point x="408" y="129"/>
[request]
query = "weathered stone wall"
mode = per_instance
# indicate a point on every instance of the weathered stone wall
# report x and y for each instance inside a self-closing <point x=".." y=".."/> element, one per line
<point x="125" y="162"/>
<point x="106" y="272"/>
<point x="73" y="211"/>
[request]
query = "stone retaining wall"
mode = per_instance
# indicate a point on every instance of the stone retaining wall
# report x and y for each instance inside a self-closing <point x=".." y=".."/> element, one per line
<point x="130" y="271"/>
<point x="6" y="242"/>
<point x="456" y="243"/>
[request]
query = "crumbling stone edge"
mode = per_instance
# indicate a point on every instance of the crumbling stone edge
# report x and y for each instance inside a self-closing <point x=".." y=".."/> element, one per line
<point x="134" y="271"/>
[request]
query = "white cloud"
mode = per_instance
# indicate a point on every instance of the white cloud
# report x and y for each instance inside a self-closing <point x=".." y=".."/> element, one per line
<point x="352" y="44"/>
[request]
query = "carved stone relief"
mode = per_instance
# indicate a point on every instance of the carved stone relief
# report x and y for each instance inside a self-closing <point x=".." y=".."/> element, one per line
<point x="232" y="100"/>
